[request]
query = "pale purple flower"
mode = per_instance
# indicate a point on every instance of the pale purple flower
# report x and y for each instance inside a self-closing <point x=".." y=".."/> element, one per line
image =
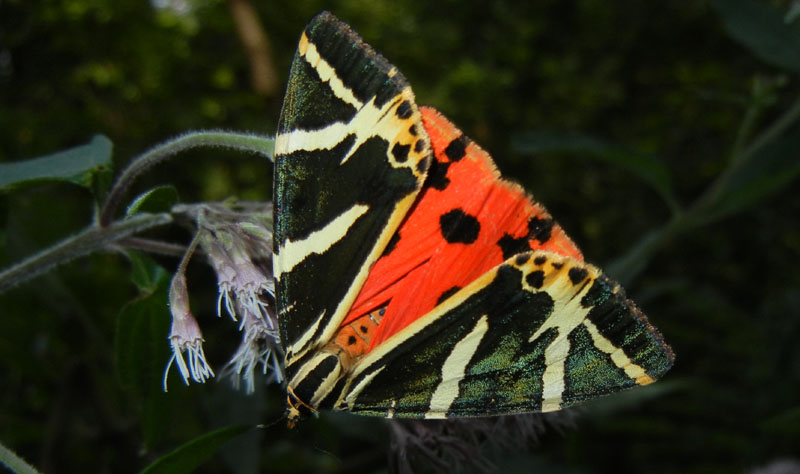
<point x="259" y="346"/>
<point x="185" y="336"/>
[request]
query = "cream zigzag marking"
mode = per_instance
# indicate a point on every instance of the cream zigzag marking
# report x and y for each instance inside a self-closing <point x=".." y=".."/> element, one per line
<point x="292" y="253"/>
<point x="369" y="121"/>
<point x="454" y="368"/>
<point x="567" y="314"/>
<point x="326" y="72"/>
<point x="618" y="356"/>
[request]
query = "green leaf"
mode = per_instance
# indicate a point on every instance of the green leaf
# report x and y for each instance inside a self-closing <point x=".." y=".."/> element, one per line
<point x="793" y="13"/>
<point x="648" y="168"/>
<point x="142" y="349"/>
<point x="146" y="274"/>
<point x="771" y="170"/>
<point x="189" y="456"/>
<point x="80" y="165"/>
<point x="762" y="29"/>
<point x="134" y="340"/>
<point x="16" y="464"/>
<point x="159" y="199"/>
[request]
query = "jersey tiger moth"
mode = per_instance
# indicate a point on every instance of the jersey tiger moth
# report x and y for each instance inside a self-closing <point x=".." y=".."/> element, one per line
<point x="412" y="280"/>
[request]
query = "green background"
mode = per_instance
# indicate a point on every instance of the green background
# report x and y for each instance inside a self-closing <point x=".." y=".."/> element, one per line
<point x="619" y="116"/>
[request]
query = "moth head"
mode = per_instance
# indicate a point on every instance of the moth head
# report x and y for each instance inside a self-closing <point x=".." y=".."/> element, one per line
<point x="297" y="409"/>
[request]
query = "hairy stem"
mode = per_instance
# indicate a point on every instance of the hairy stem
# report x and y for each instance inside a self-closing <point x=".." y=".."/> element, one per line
<point x="236" y="141"/>
<point x="90" y="240"/>
<point x="14" y="462"/>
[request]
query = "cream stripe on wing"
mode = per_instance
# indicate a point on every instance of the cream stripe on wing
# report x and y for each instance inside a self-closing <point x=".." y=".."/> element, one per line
<point x="618" y="356"/>
<point x="567" y="314"/>
<point x="309" y="140"/>
<point x="553" y="383"/>
<point x="370" y="121"/>
<point x="292" y="253"/>
<point x="353" y="394"/>
<point x="454" y="368"/>
<point x="326" y="72"/>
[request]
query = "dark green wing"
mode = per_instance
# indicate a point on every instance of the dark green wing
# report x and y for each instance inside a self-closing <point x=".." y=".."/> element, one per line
<point x="538" y="333"/>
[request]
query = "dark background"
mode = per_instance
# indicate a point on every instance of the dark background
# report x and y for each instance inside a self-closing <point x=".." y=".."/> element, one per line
<point x="599" y="90"/>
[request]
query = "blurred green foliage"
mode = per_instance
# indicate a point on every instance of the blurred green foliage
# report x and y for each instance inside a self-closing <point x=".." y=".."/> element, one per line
<point x="672" y="97"/>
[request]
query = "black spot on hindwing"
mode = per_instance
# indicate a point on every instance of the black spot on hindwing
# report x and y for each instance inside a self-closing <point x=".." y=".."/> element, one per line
<point x="437" y="175"/>
<point x="511" y="246"/>
<point x="459" y="227"/>
<point x="457" y="148"/>
<point x="540" y="229"/>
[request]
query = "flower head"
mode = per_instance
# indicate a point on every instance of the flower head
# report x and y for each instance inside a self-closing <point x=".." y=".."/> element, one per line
<point x="237" y="240"/>
<point x="185" y="336"/>
<point x="259" y="346"/>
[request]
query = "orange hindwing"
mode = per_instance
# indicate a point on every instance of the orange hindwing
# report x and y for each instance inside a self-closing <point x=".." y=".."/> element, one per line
<point x="466" y="220"/>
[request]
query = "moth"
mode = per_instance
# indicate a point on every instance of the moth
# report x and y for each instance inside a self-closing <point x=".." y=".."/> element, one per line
<point x="412" y="280"/>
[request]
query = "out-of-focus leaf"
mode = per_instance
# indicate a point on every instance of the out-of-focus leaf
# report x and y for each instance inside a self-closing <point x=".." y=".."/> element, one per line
<point x="787" y="422"/>
<point x="621" y="401"/>
<point x="646" y="167"/>
<point x="134" y="334"/>
<point x="79" y="165"/>
<point x="146" y="274"/>
<point x="159" y="199"/>
<point x="189" y="456"/>
<point x="762" y="29"/>
<point x="142" y="349"/>
<point x="793" y="13"/>
<point x="773" y="168"/>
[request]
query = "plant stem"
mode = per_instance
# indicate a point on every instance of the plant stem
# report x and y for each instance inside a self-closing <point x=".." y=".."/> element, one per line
<point x="700" y="213"/>
<point x="236" y="141"/>
<point x="12" y="461"/>
<point x="626" y="268"/>
<point x="89" y="240"/>
<point x="153" y="246"/>
<point x="775" y="129"/>
<point x="713" y="193"/>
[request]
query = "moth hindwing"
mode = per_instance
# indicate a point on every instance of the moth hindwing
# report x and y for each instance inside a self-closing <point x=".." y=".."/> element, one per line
<point x="411" y="279"/>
